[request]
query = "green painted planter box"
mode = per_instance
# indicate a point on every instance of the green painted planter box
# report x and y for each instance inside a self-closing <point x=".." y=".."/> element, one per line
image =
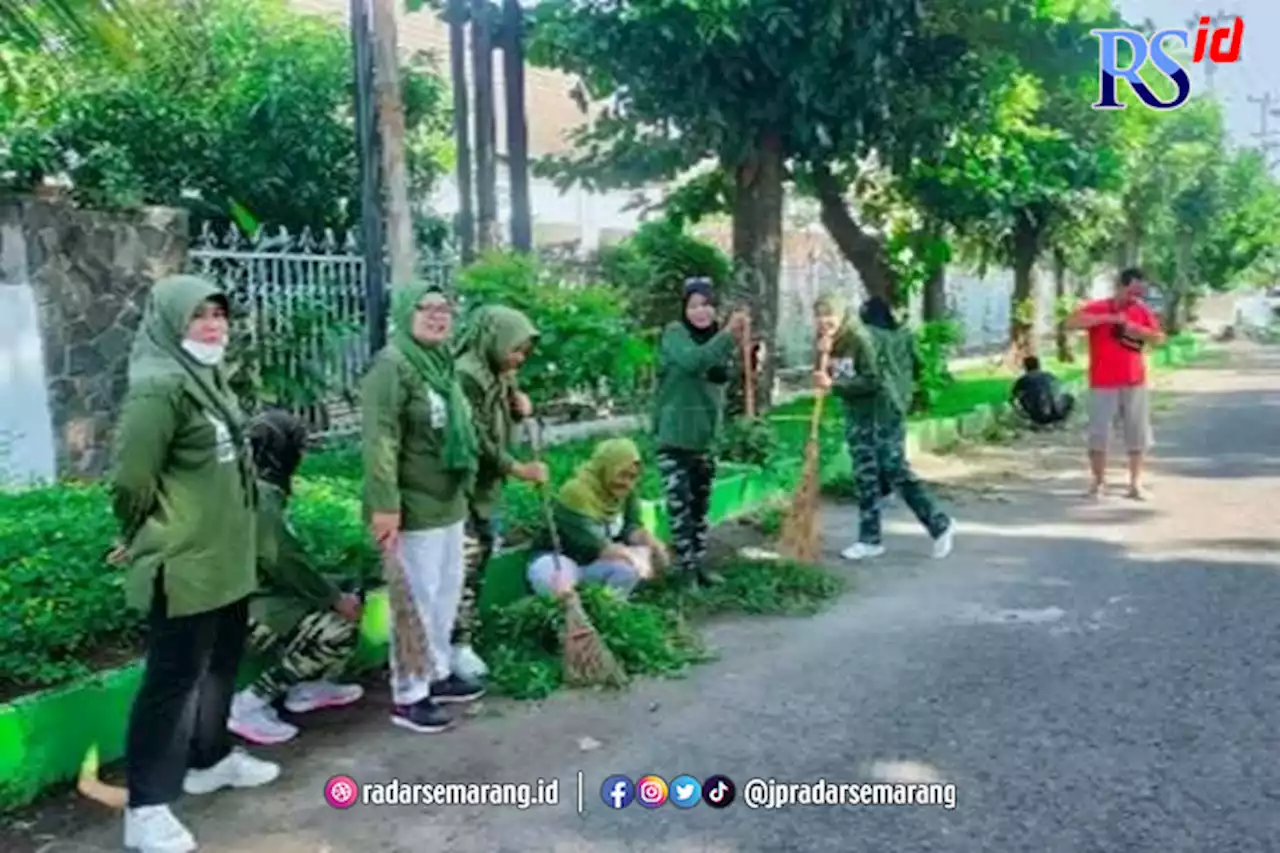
<point x="44" y="736"/>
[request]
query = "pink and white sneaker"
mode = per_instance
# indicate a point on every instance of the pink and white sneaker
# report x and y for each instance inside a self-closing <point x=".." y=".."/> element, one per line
<point x="253" y="719"/>
<point x="313" y="695"/>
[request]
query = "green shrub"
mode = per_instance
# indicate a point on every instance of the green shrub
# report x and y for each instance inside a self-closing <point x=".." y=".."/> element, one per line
<point x="748" y="441"/>
<point x="935" y="345"/>
<point x="587" y="344"/>
<point x="651" y="266"/>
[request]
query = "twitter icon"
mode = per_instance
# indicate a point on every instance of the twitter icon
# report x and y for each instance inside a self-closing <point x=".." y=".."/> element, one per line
<point x="685" y="792"/>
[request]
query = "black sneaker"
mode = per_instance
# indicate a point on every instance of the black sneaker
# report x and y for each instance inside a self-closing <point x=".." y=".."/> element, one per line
<point x="425" y="717"/>
<point x="456" y="689"/>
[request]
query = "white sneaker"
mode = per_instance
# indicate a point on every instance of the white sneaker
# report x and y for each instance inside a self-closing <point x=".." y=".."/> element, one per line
<point x="253" y="719"/>
<point x="238" y="770"/>
<point x="154" y="829"/>
<point x="312" y="695"/>
<point x="946" y="540"/>
<point x="468" y="664"/>
<point x="862" y="551"/>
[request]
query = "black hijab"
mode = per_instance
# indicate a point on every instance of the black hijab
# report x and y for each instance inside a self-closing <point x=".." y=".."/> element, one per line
<point x="278" y="439"/>
<point x="877" y="312"/>
<point x="698" y="287"/>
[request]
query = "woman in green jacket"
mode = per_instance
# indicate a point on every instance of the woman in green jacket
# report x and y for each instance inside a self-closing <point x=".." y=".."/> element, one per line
<point x="871" y="369"/>
<point x="597" y="519"/>
<point x="183" y="494"/>
<point x="300" y="623"/>
<point x="693" y="367"/>
<point x="497" y="342"/>
<point x="420" y="458"/>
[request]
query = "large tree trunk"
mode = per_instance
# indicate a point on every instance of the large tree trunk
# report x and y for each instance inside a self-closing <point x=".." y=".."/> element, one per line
<point x="934" y="298"/>
<point x="517" y="131"/>
<point x="486" y="133"/>
<point x="1062" y="338"/>
<point x="391" y="124"/>
<point x="466" y="223"/>
<point x="866" y="253"/>
<point x="1026" y="249"/>
<point x="757" y="251"/>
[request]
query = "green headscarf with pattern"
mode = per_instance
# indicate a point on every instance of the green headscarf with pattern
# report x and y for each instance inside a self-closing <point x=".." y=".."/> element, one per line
<point x="434" y="364"/>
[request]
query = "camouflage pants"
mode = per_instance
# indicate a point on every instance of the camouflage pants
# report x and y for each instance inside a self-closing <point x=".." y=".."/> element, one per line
<point x="477" y="548"/>
<point x="316" y="648"/>
<point x="879" y="452"/>
<point x="687" y="479"/>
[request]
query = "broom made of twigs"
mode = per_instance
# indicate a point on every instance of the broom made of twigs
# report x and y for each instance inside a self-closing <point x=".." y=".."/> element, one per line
<point x="801" y="535"/>
<point x="587" y="660"/>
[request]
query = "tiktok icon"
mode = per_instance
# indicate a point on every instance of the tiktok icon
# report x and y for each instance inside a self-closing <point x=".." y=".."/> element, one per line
<point x="718" y="791"/>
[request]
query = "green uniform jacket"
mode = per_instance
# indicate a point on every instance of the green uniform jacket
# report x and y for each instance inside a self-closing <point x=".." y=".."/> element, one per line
<point x="289" y="586"/>
<point x="688" y="407"/>
<point x="403" y="439"/>
<point x="179" y="496"/>
<point x="873" y="371"/>
<point x="490" y="399"/>
<point x="583" y="539"/>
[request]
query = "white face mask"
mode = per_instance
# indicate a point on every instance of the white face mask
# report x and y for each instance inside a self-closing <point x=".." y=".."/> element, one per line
<point x="210" y="355"/>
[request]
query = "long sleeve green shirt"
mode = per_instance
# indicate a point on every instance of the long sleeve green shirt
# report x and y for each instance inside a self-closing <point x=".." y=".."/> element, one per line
<point x="403" y="442"/>
<point x="179" y="496"/>
<point x="583" y="539"/>
<point x="871" y="370"/>
<point x="688" y="407"/>
<point x="290" y="587"/>
<point x="494" y="421"/>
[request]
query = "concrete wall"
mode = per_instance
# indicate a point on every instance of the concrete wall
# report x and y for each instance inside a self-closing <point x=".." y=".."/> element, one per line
<point x="72" y="289"/>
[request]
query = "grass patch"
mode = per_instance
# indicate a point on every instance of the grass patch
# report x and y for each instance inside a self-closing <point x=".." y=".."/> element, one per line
<point x="651" y="635"/>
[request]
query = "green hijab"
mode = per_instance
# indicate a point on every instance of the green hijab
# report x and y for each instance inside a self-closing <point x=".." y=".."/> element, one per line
<point x="495" y="331"/>
<point x="434" y="364"/>
<point x="588" y="492"/>
<point x="158" y="353"/>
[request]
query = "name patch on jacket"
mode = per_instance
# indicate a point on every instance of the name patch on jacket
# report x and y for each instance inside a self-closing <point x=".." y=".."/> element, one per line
<point x="224" y="449"/>
<point x="439" y="410"/>
<point x="842" y="368"/>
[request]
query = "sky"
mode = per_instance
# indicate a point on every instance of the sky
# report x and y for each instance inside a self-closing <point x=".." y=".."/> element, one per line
<point x="1257" y="71"/>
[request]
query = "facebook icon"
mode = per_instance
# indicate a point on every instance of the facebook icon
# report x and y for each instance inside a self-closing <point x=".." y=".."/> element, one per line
<point x="617" y="792"/>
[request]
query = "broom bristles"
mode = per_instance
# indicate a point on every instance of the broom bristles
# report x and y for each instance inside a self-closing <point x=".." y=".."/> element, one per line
<point x="89" y="785"/>
<point x="587" y="660"/>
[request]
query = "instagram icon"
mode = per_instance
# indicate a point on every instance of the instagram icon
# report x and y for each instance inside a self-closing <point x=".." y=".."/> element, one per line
<point x="651" y="791"/>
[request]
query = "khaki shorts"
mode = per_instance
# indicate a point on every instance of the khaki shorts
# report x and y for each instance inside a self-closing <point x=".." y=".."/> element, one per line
<point x="1126" y="409"/>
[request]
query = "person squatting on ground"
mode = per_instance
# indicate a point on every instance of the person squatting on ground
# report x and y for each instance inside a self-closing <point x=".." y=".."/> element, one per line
<point x="1038" y="395"/>
<point x="1120" y="328"/>
<point x="420" y="458"/>
<point x="498" y="341"/>
<point x="871" y="370"/>
<point x="694" y="359"/>
<point x="597" y="517"/>
<point x="300" y="623"/>
<point x="183" y="494"/>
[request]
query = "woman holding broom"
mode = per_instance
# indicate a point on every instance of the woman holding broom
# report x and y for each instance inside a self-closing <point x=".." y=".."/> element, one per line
<point x="597" y="517"/>
<point x="498" y="341"/>
<point x="871" y="368"/>
<point x="420" y="457"/>
<point x="183" y="493"/>
<point x="694" y="358"/>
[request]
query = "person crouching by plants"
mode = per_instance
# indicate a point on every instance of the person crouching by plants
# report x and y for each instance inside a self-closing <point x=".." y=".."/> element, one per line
<point x="420" y="457"/>
<point x="871" y="370"/>
<point x="498" y="341"/>
<point x="183" y="494"/>
<point x="300" y="623"/>
<point x="596" y="517"/>
<point x="694" y="359"/>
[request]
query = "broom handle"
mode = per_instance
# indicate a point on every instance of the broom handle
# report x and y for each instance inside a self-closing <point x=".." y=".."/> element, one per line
<point x="748" y="371"/>
<point x="815" y="420"/>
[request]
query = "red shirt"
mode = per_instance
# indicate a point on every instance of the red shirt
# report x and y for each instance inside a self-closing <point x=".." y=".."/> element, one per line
<point x="1111" y="364"/>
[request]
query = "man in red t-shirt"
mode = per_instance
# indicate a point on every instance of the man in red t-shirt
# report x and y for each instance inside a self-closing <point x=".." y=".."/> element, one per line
<point x="1120" y="328"/>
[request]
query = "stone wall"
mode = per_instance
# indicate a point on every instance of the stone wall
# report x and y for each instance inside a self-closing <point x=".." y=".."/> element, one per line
<point x="89" y="272"/>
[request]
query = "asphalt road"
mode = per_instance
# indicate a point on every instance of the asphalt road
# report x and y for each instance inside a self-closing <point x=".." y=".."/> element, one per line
<point x="1090" y="678"/>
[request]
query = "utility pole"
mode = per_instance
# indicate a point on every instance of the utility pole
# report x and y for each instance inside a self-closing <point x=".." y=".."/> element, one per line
<point x="457" y="15"/>
<point x="1268" y="107"/>
<point x="386" y="60"/>
<point x="517" y="131"/>
<point x="370" y="184"/>
<point x="1218" y="19"/>
<point x="486" y="161"/>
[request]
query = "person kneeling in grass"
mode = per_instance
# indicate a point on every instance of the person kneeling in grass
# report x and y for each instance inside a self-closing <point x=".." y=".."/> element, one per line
<point x="300" y="622"/>
<point x="597" y="517"/>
